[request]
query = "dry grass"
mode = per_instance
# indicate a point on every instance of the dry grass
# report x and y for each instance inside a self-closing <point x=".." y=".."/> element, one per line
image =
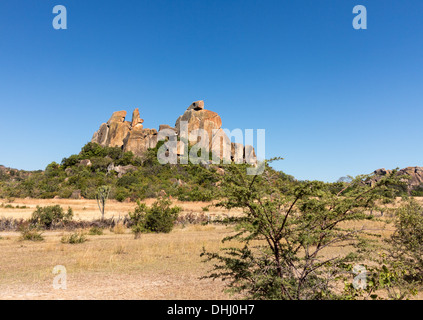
<point x="88" y="209"/>
<point x="119" y="228"/>
<point x="115" y="265"/>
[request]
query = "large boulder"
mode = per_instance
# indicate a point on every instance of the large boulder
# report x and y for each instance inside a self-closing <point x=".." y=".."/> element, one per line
<point x="100" y="136"/>
<point x="136" y="119"/>
<point x="415" y="174"/>
<point x="76" y="195"/>
<point x="130" y="136"/>
<point x="118" y="116"/>
<point x="113" y="132"/>
<point x="121" y="170"/>
<point x="139" y="140"/>
<point x="413" y="180"/>
<point x="118" y="131"/>
<point x="166" y="127"/>
<point x="85" y="163"/>
<point x="199" y="118"/>
<point x="221" y="145"/>
<point x="197" y="105"/>
<point x="237" y="152"/>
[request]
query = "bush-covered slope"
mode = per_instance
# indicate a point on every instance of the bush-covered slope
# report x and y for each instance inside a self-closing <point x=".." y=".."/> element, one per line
<point x="94" y="166"/>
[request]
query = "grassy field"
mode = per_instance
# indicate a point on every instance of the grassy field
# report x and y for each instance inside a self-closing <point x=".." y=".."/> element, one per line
<point x="88" y="209"/>
<point x="115" y="265"/>
<point x="110" y="266"/>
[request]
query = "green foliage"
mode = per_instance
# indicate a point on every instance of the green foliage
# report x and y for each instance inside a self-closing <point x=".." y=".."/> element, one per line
<point x="418" y="191"/>
<point x="52" y="170"/>
<point x="125" y="159"/>
<point x="127" y="181"/>
<point x="158" y="218"/>
<point x="29" y="233"/>
<point x="46" y="217"/>
<point x="286" y="227"/>
<point x="197" y="194"/>
<point x="121" y="194"/>
<point x="407" y="240"/>
<point x="70" y="162"/>
<point x="185" y="182"/>
<point x="402" y="259"/>
<point x="74" y="238"/>
<point x="95" y="231"/>
<point x="100" y="164"/>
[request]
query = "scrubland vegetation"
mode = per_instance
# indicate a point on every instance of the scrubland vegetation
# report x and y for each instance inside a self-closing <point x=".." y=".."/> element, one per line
<point x="146" y="179"/>
<point x="290" y="240"/>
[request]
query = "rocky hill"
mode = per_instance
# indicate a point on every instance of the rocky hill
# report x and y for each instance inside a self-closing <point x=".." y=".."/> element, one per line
<point x="12" y="174"/>
<point x="132" y="136"/>
<point x="413" y="183"/>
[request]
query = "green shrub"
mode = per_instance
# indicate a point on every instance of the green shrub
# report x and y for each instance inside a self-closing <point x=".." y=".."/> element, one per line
<point x="30" y="234"/>
<point x="197" y="194"/>
<point x="71" y="161"/>
<point x="417" y="191"/>
<point x="159" y="218"/>
<point x="46" y="217"/>
<point x="126" y="181"/>
<point x="66" y="193"/>
<point x="100" y="164"/>
<point x="95" y="231"/>
<point x="125" y="159"/>
<point x="285" y="232"/>
<point x="74" y="238"/>
<point x="52" y="170"/>
<point x="407" y="240"/>
<point x="121" y="194"/>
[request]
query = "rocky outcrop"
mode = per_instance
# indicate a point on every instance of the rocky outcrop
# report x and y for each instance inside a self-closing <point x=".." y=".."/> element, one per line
<point x="199" y="118"/>
<point x="13" y="174"/>
<point x="415" y="175"/>
<point x="131" y="135"/>
<point x="85" y="163"/>
<point x="121" y="170"/>
<point x="139" y="140"/>
<point x="76" y="195"/>
<point x="197" y="105"/>
<point x="218" y="142"/>
<point x="136" y="119"/>
<point x="166" y="127"/>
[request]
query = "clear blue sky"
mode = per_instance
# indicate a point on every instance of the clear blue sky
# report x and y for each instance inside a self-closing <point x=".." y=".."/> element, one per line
<point x="333" y="100"/>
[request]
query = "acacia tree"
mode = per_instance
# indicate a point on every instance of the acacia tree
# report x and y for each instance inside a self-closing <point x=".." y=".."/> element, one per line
<point x="401" y="259"/>
<point x="102" y="196"/>
<point x="286" y="231"/>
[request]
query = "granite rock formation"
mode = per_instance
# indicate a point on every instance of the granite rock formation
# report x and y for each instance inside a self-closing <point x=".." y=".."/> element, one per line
<point x="415" y="175"/>
<point x="131" y="135"/>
